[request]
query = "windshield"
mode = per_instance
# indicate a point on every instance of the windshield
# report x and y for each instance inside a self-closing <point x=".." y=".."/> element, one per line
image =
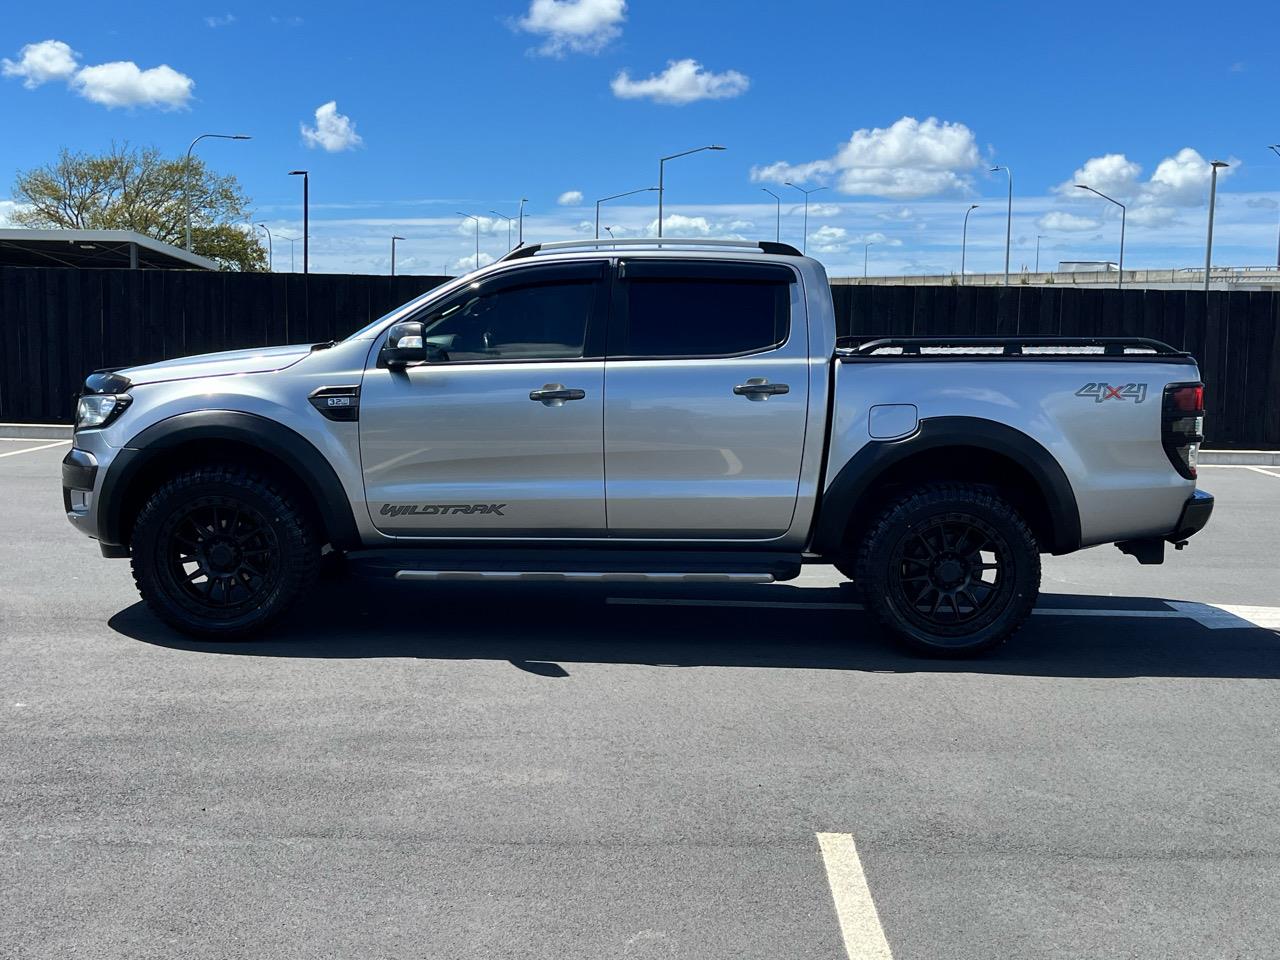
<point x="367" y="331"/>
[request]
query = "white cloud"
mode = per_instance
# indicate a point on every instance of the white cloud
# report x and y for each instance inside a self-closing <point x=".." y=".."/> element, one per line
<point x="123" y="84"/>
<point x="225" y="20"/>
<point x="1113" y="174"/>
<point x="1150" y="215"/>
<point x="570" y="198"/>
<point x="1059" y="221"/>
<point x="678" y="225"/>
<point x="684" y="81"/>
<point x="907" y="160"/>
<point x="41" y="62"/>
<point x="468" y="263"/>
<point x="580" y="26"/>
<point x="1184" y="177"/>
<point x="1261" y="203"/>
<point x="828" y="239"/>
<point x="901" y="214"/>
<point x="822" y="209"/>
<point x="333" y="131"/>
<point x="488" y="225"/>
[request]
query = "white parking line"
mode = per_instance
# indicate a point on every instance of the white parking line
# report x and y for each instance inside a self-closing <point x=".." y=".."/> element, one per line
<point x="1265" y="472"/>
<point x="43" y="446"/>
<point x="1214" y="616"/>
<point x="860" y="927"/>
<point x="1269" y="471"/>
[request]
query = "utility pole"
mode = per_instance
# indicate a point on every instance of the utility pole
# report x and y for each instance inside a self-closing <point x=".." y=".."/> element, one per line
<point x="777" y="230"/>
<point x="306" y="218"/>
<point x="1213" y="196"/>
<point x="1008" y="229"/>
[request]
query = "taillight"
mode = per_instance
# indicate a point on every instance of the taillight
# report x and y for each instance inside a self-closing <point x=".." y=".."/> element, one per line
<point x="1182" y="425"/>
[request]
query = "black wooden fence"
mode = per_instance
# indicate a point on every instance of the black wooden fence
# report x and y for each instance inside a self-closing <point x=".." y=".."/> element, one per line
<point x="58" y="324"/>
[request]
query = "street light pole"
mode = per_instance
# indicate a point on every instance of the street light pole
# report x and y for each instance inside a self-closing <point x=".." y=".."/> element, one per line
<point x="777" y="230"/>
<point x="964" y="237"/>
<point x="1213" y="196"/>
<point x="1275" y="148"/>
<point x="1039" y="237"/>
<point x="291" y="242"/>
<point x="477" y="220"/>
<point x="306" y="218"/>
<point x="804" y="240"/>
<point x="866" y="253"/>
<point x="1008" y="229"/>
<point x="186" y="172"/>
<point x="393" y="254"/>
<point x="520" y="235"/>
<point x="615" y="197"/>
<point x="271" y="256"/>
<point x="1123" y="211"/>
<point x="661" y="168"/>
<point x="509" y="222"/>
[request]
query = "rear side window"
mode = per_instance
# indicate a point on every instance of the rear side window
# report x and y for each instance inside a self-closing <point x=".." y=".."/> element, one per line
<point x="700" y="310"/>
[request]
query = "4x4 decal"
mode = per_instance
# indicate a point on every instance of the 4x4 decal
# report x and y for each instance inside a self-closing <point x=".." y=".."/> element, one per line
<point x="1137" y="392"/>
<point x="441" y="509"/>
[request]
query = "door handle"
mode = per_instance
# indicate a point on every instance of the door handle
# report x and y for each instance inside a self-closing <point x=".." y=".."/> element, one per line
<point x="555" y="394"/>
<point x="758" y="388"/>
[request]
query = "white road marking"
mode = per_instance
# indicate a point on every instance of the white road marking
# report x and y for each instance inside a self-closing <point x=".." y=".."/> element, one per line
<point x="1240" y="466"/>
<point x="1214" y="616"/>
<point x="1264" y="471"/>
<point x="860" y="927"/>
<point x="45" y="446"/>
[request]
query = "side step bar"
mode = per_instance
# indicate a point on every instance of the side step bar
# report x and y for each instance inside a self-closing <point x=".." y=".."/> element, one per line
<point x="584" y="576"/>
<point x="585" y="565"/>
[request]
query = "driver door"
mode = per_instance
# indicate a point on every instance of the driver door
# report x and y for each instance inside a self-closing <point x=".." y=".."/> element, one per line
<point x="501" y="433"/>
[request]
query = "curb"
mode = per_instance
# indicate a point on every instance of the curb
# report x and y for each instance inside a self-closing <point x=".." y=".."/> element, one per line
<point x="1239" y="458"/>
<point x="36" y="431"/>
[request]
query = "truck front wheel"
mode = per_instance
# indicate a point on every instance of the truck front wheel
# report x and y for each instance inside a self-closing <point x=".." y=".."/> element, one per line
<point x="952" y="569"/>
<point x="220" y="552"/>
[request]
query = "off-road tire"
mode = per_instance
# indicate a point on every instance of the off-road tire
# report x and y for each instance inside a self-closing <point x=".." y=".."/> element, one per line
<point x="922" y="564"/>
<point x="220" y="552"/>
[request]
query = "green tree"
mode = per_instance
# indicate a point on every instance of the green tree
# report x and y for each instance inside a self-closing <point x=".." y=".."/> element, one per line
<point x="139" y="189"/>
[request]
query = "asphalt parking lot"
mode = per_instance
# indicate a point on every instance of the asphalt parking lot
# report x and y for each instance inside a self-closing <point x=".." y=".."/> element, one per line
<point x="521" y="771"/>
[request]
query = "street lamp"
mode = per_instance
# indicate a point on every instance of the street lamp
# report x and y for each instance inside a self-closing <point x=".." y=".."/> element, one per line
<point x="1081" y="186"/>
<point x="520" y="235"/>
<point x="271" y="256"/>
<point x="777" y="230"/>
<point x="804" y="240"/>
<point x="615" y="197"/>
<point x="477" y="220"/>
<point x="661" y="167"/>
<point x="393" y="254"/>
<point x="1008" y="229"/>
<point x="1275" y="148"/>
<point x="509" y="222"/>
<point x="1213" y="196"/>
<point x="306" y="217"/>
<point x="609" y="231"/>
<point x="866" y="253"/>
<point x="1039" y="237"/>
<point x="186" y="175"/>
<point x="291" y="242"/>
<point x="964" y="237"/>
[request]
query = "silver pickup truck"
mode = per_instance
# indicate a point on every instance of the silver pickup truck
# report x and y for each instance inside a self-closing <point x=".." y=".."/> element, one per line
<point x="674" y="411"/>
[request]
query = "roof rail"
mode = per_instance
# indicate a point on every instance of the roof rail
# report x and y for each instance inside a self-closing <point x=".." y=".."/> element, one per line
<point x="763" y="246"/>
<point x="1008" y="346"/>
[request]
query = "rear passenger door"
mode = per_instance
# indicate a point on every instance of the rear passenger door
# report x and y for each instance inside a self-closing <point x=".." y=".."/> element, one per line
<point x="706" y="399"/>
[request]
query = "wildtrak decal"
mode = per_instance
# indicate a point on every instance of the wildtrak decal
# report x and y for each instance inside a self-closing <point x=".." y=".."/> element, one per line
<point x="441" y="509"/>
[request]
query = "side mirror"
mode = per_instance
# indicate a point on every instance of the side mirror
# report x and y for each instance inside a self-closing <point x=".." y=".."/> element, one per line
<point x="406" y="344"/>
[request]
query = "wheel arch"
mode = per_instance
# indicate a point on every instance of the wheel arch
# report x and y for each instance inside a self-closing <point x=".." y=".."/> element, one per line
<point x="969" y="449"/>
<point x="208" y="436"/>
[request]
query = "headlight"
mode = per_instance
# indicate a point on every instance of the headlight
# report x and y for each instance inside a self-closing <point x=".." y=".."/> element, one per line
<point x="99" y="409"/>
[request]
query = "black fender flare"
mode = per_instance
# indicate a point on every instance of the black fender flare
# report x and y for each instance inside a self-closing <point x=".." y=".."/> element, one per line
<point x="857" y="477"/>
<point x="275" y="440"/>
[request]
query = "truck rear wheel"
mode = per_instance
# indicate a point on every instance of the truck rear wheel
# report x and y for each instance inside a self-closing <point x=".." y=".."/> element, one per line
<point x="220" y="552"/>
<point x="952" y="569"/>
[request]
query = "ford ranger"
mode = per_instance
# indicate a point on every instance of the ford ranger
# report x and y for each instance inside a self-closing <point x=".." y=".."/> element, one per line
<point x="670" y="411"/>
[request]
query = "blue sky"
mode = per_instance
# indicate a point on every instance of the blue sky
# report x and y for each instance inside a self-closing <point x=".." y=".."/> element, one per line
<point x="897" y="110"/>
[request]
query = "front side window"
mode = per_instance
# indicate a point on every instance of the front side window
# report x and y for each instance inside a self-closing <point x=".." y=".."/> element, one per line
<point x="538" y="321"/>
<point x="707" y="316"/>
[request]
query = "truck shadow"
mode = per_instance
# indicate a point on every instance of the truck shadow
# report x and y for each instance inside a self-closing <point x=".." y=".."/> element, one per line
<point x="546" y="629"/>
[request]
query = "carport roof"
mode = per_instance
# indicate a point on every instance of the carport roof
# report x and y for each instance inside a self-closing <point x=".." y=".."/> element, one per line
<point x="94" y="248"/>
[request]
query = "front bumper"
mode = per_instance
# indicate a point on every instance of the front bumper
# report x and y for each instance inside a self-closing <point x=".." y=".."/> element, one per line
<point x="1195" y="514"/>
